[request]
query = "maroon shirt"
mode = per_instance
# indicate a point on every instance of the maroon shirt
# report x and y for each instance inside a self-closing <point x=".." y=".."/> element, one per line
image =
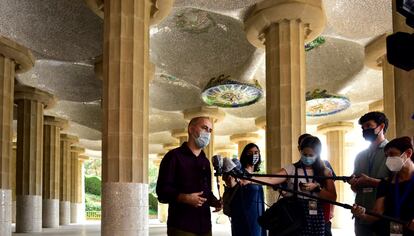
<point x="183" y="172"/>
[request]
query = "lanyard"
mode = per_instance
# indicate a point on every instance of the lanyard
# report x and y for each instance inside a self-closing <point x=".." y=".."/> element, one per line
<point x="306" y="174"/>
<point x="399" y="201"/>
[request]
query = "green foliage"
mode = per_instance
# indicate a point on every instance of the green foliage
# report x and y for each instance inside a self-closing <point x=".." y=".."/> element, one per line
<point x="92" y="202"/>
<point x="93" y="167"/>
<point x="93" y="185"/>
<point x="153" y="202"/>
<point x="153" y="176"/>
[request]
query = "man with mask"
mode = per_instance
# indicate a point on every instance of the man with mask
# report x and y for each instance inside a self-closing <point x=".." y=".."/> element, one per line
<point x="184" y="182"/>
<point x="370" y="166"/>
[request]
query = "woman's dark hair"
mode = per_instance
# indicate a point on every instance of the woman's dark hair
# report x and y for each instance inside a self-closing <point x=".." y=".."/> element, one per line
<point x="318" y="167"/>
<point x="402" y="144"/>
<point x="378" y="117"/>
<point x="302" y="137"/>
<point x="244" y="158"/>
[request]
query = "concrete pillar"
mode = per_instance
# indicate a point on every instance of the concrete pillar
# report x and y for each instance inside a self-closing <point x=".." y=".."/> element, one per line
<point x="76" y="184"/>
<point x="66" y="141"/>
<point x="81" y="188"/>
<point x="125" y="115"/>
<point x="404" y="84"/>
<point x="14" y="58"/>
<point x="13" y="180"/>
<point x="51" y="170"/>
<point x="180" y="134"/>
<point x="31" y="103"/>
<point x="335" y="140"/>
<point x="226" y="151"/>
<point x="282" y="27"/>
<point x="375" y="58"/>
<point x="243" y="139"/>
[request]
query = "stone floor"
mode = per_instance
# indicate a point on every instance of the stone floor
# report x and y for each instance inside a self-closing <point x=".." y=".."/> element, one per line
<point x="156" y="229"/>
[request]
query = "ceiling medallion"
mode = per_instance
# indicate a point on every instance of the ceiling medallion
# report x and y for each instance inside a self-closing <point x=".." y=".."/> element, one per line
<point x="321" y="103"/>
<point x="224" y="92"/>
<point x="194" y="21"/>
<point x="315" y="43"/>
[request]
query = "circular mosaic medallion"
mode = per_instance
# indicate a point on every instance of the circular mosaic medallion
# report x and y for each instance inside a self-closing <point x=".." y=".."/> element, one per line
<point x="194" y="21"/>
<point x="326" y="106"/>
<point x="222" y="92"/>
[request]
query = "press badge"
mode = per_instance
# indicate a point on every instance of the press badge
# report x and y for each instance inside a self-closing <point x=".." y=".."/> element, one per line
<point x="367" y="190"/>
<point x="313" y="208"/>
<point x="396" y="229"/>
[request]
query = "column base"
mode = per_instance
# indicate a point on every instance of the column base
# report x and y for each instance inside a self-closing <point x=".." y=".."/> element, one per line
<point x="14" y="212"/>
<point x="28" y="213"/>
<point x="125" y="209"/>
<point x="6" y="212"/>
<point x="75" y="212"/>
<point x="64" y="212"/>
<point x="50" y="213"/>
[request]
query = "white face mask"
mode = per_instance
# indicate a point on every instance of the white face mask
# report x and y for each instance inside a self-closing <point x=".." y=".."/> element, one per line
<point x="203" y="140"/>
<point x="256" y="158"/>
<point x="395" y="163"/>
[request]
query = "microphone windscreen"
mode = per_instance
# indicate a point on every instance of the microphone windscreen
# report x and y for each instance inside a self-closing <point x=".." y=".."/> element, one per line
<point x="217" y="162"/>
<point x="237" y="163"/>
<point x="228" y="165"/>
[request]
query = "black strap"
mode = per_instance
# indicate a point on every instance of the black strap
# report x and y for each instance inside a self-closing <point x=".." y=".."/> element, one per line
<point x="295" y="182"/>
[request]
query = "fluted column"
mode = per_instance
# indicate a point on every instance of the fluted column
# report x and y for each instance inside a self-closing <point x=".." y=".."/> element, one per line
<point x="376" y="58"/>
<point x="76" y="184"/>
<point x="404" y="84"/>
<point x="13" y="180"/>
<point x="81" y="187"/>
<point x="335" y="140"/>
<point x="243" y="139"/>
<point x="14" y="59"/>
<point x="51" y="170"/>
<point x="125" y="117"/>
<point x="283" y="27"/>
<point x="31" y="103"/>
<point x="66" y="141"/>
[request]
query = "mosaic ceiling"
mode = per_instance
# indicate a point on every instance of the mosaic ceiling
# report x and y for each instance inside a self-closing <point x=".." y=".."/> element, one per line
<point x="200" y="39"/>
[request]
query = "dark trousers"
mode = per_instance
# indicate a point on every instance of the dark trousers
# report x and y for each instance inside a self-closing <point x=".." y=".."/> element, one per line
<point x="328" y="228"/>
<point x="177" y="232"/>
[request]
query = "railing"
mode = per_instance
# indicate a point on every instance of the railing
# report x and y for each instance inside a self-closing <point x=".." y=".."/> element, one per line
<point x="93" y="215"/>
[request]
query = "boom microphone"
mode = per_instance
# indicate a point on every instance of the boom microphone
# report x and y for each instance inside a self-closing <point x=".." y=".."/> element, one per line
<point x="233" y="167"/>
<point x="217" y="165"/>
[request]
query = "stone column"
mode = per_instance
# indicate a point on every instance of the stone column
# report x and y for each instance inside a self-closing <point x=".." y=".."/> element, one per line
<point x="404" y="84"/>
<point x="51" y="170"/>
<point x="14" y="58"/>
<point x="31" y="103"/>
<point x="181" y="135"/>
<point x="81" y="189"/>
<point x="13" y="180"/>
<point x="243" y="139"/>
<point x="125" y="117"/>
<point x="375" y="58"/>
<point x="335" y="141"/>
<point x="66" y="141"/>
<point x="75" y="182"/>
<point x="282" y="27"/>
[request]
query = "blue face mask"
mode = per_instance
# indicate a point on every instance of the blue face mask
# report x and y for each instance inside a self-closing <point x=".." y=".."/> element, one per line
<point x="203" y="140"/>
<point x="308" y="160"/>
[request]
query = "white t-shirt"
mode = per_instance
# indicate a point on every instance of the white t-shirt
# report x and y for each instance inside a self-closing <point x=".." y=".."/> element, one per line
<point x="290" y="169"/>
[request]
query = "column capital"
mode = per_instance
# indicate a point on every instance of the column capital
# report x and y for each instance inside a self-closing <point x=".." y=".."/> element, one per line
<point x="83" y="158"/>
<point x="335" y="126"/>
<point x="267" y="12"/>
<point x="69" y="138"/>
<point x="169" y="146"/>
<point x="226" y="148"/>
<point x="260" y="122"/>
<point x="21" y="55"/>
<point x="23" y="92"/>
<point x="56" y="121"/>
<point x="246" y="137"/>
<point x="376" y="106"/>
<point x="213" y="113"/>
<point x="76" y="149"/>
<point x="159" y="9"/>
<point x="179" y="133"/>
<point x="375" y="52"/>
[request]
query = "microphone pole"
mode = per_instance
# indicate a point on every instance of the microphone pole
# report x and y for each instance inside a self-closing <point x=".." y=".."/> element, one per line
<point x="346" y="206"/>
<point x="343" y="178"/>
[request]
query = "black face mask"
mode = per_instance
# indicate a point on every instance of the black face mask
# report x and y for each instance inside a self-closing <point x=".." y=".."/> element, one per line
<point x="369" y="134"/>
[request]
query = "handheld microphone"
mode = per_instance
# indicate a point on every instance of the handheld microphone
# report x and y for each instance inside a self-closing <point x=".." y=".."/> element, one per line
<point x="233" y="167"/>
<point x="217" y="162"/>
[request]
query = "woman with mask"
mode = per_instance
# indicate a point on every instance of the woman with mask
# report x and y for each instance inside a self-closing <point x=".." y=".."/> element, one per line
<point x="310" y="164"/>
<point x="247" y="203"/>
<point x="395" y="195"/>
